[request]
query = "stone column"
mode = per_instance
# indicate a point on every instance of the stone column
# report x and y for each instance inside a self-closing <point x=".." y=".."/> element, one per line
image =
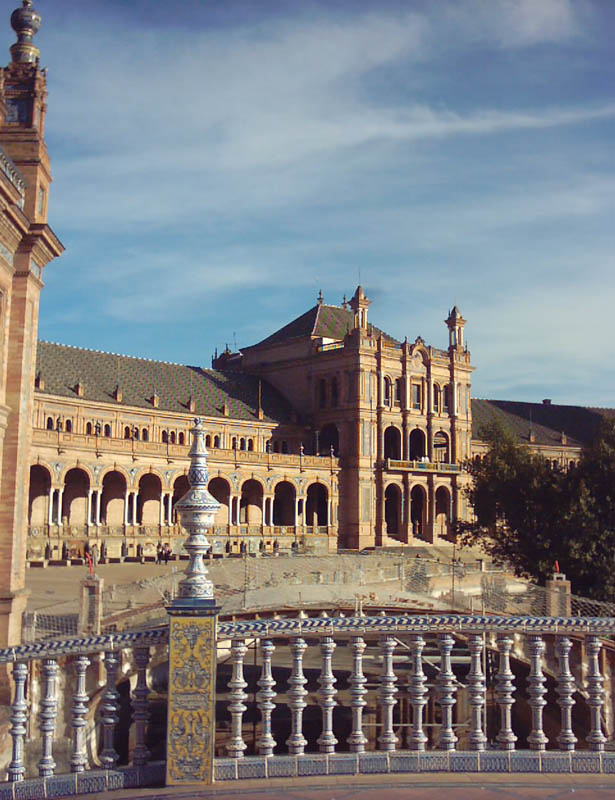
<point x="192" y="637"/>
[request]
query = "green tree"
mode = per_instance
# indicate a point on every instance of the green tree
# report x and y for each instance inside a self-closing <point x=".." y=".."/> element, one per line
<point x="530" y="514"/>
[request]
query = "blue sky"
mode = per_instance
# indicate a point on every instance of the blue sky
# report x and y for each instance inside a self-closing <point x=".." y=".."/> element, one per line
<point x="217" y="163"/>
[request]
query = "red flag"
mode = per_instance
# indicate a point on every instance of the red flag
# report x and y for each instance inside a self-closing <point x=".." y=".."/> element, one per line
<point x="557" y="566"/>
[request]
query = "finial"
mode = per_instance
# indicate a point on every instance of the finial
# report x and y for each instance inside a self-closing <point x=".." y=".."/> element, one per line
<point x="26" y="22"/>
<point x="320" y="298"/>
<point x="345" y="303"/>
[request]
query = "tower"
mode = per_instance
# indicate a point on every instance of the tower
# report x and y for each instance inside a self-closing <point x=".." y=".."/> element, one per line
<point x="360" y="304"/>
<point x="456" y="324"/>
<point x="27" y="245"/>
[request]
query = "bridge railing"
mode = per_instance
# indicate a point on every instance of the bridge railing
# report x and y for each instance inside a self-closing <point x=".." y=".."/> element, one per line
<point x="386" y="693"/>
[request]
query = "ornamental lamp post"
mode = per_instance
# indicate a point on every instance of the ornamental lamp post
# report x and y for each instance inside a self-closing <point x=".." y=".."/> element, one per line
<point x="192" y="635"/>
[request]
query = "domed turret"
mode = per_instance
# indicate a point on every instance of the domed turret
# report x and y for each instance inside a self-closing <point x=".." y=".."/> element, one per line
<point x="26" y="22"/>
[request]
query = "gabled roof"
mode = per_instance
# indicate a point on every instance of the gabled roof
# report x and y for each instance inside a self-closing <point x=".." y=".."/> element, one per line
<point x="321" y="321"/>
<point x="545" y="420"/>
<point x="61" y="367"/>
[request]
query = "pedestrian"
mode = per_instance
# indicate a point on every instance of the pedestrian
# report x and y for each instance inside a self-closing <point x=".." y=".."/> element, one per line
<point x="159" y="553"/>
<point x="167" y="554"/>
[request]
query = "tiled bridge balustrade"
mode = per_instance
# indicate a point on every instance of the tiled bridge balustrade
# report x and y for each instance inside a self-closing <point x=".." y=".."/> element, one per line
<point x="326" y="696"/>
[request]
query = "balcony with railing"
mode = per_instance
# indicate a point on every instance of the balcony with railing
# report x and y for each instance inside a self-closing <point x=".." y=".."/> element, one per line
<point x="396" y="465"/>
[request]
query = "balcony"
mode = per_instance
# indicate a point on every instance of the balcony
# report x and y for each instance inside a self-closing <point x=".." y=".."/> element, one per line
<point x="394" y="465"/>
<point x="103" y="445"/>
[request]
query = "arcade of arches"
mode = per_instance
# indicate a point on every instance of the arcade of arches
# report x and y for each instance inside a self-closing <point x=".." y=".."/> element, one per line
<point x="416" y="518"/>
<point x="131" y="517"/>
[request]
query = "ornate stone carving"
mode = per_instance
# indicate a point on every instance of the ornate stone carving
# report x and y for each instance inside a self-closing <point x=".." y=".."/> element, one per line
<point x="49" y="705"/>
<point x="326" y="679"/>
<point x="237" y="684"/>
<point x="536" y="690"/>
<point x="447" y="687"/>
<point x="79" y="760"/>
<point x="504" y="693"/>
<point x="296" y="741"/>
<point x="388" y="690"/>
<point x="265" y="696"/>
<point x="476" y="683"/>
<point x="357" y="739"/>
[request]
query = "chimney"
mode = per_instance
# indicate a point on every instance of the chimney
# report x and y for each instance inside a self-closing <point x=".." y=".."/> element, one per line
<point x="546" y="401"/>
<point x="39" y="383"/>
<point x="191" y="405"/>
<point x="80" y="388"/>
<point x="155" y="399"/>
<point x="118" y="394"/>
<point x="564" y="438"/>
<point x="532" y="437"/>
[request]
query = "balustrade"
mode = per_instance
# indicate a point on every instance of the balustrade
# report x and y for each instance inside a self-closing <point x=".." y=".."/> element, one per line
<point x="374" y="663"/>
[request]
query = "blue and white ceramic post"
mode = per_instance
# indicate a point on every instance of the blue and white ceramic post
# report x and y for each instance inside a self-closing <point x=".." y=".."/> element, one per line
<point x="192" y="635"/>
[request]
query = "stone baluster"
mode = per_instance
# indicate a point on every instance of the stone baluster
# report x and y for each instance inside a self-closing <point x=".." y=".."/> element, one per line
<point x="565" y="690"/>
<point x="418" y="693"/>
<point x="17" y="768"/>
<point x="537" y="739"/>
<point x="595" y="690"/>
<point x="237" y="684"/>
<point x="49" y="709"/>
<point x="357" y="739"/>
<point x="476" y="684"/>
<point x="504" y="693"/>
<point x="79" y="760"/>
<point x="265" y="695"/>
<point x="326" y="680"/>
<point x="296" y="741"/>
<point x="388" y="690"/>
<point x="109" y="708"/>
<point x="140" y="708"/>
<point x="446" y="689"/>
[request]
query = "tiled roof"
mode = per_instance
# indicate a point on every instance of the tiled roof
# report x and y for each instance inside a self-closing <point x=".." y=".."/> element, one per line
<point x="329" y="322"/>
<point x="61" y="367"/>
<point x="547" y="421"/>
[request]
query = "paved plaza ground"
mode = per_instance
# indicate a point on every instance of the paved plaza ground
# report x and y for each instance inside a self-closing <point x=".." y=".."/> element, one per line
<point x="463" y="786"/>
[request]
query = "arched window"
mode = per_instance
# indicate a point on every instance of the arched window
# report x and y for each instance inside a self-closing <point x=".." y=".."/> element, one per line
<point x="416" y="396"/>
<point x="276" y="447"/>
<point x="145" y="435"/>
<point x="447" y="397"/>
<point x="127" y="432"/>
<point x="334" y="393"/>
<point x="173" y="437"/>
<point x="234" y="443"/>
<point x="322" y="393"/>
<point x="387" y="392"/>
<point x="242" y="444"/>
<point x="436" y="397"/>
<point x="216" y="441"/>
<point x="108" y="431"/>
<point x="392" y="443"/>
<point x="49" y="423"/>
<point x="284" y="446"/>
<point x="250" y="444"/>
<point x="69" y="426"/>
<point x="399" y="389"/>
<point x="88" y="429"/>
<point x="165" y="437"/>
<point x="208" y="440"/>
<point x="182" y="438"/>
<point x="135" y="433"/>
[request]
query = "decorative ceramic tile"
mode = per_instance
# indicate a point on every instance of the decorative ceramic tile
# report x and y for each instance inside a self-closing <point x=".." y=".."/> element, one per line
<point x="311" y="765"/>
<point x="524" y="761"/>
<point x="434" y="762"/>
<point x="131" y="777"/>
<point x="61" y="785"/>
<point x="373" y="762"/>
<point x="32" y="789"/>
<point x="464" y="762"/>
<point x="404" y="762"/>
<point x="6" y="791"/>
<point x="555" y="762"/>
<point x="608" y="762"/>
<point x="251" y="767"/>
<point x="225" y="769"/>
<point x="192" y="670"/>
<point x="494" y="761"/>
<point x="115" y="779"/>
<point x="343" y="764"/>
<point x="88" y="782"/>
<point x="585" y="762"/>
<point x="281" y="767"/>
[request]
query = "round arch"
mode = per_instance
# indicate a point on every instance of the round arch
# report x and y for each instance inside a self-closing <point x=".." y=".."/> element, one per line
<point x="417" y="445"/>
<point x="220" y="488"/>
<point x="317" y="505"/>
<point x="392" y="443"/>
<point x="82" y="468"/>
<point x="418" y="510"/>
<point x="441" y="448"/>
<point x="392" y="510"/>
<point x="75" y="496"/>
<point x="328" y="438"/>
<point x="443" y="511"/>
<point x="149" y="499"/>
<point x="251" y="502"/>
<point x="114" y="487"/>
<point x="40" y="487"/>
<point x="284" y="503"/>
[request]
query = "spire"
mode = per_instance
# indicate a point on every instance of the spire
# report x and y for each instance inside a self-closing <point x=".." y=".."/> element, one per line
<point x="455" y="324"/>
<point x="26" y="22"/>
<point x="360" y="304"/>
<point x="321" y="298"/>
